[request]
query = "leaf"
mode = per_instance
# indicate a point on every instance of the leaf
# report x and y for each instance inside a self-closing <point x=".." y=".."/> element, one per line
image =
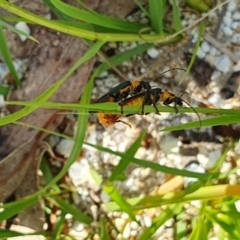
<point x="98" y="19"/>
<point x="7" y="56"/>
<point x="119" y="200"/>
<point x="124" y="162"/>
<point x="70" y="208"/>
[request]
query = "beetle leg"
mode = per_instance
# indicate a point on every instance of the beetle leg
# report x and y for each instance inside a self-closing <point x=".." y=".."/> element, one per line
<point x="124" y="123"/>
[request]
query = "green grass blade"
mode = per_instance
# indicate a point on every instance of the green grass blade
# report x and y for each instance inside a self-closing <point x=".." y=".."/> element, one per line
<point x="11" y="209"/>
<point x="156" y="12"/>
<point x="123" y="163"/>
<point x="59" y="13"/>
<point x="201" y="29"/>
<point x="17" y="31"/>
<point x="7" y="56"/>
<point x="97" y="19"/>
<point x="97" y="177"/>
<point x="172" y="171"/>
<point x="81" y="124"/>
<point x="199" y="231"/>
<point x="91" y="35"/>
<point x="204" y="193"/>
<point x="124" y="56"/>
<point x="6" y="233"/>
<point x="103" y="230"/>
<point x="59" y="225"/>
<point x="177" y="26"/>
<point x="157" y="167"/>
<point x="115" y="108"/>
<point x="49" y="92"/>
<point x="119" y="200"/>
<point x="47" y="173"/>
<point x="70" y="208"/>
<point x="142" y="8"/>
<point x="165" y="215"/>
<point x="13" y="19"/>
<point x="4" y="90"/>
<point x="214" y="121"/>
<point x="200" y="5"/>
<point x="226" y="223"/>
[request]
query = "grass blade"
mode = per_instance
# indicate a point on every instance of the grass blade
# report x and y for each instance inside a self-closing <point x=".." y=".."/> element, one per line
<point x="11" y="209"/>
<point x="97" y="19"/>
<point x="177" y="26"/>
<point x="5" y="233"/>
<point x="4" y="90"/>
<point x="17" y="31"/>
<point x="168" y="213"/>
<point x="119" y="200"/>
<point x="201" y="29"/>
<point x="204" y="193"/>
<point x="142" y="8"/>
<point x="81" y="124"/>
<point x="49" y="92"/>
<point x="70" y="208"/>
<point x="156" y="12"/>
<point x="199" y="231"/>
<point x="7" y="56"/>
<point x="119" y="169"/>
<point x="103" y="229"/>
<point x="91" y="35"/>
<point x="214" y="121"/>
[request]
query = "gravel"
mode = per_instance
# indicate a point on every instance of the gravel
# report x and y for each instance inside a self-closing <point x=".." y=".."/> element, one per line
<point x="22" y="26"/>
<point x="158" y="147"/>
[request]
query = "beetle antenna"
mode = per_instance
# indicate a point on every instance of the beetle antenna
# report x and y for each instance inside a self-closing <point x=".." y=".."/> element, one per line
<point x="168" y="71"/>
<point x="200" y="121"/>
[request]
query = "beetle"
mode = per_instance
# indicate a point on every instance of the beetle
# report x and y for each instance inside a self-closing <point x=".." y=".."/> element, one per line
<point x="107" y="119"/>
<point x="141" y="99"/>
<point x="149" y="97"/>
<point x="153" y="96"/>
<point x="124" y="89"/>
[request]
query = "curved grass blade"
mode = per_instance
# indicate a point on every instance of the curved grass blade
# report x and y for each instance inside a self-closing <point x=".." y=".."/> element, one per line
<point x="177" y="26"/>
<point x="119" y="200"/>
<point x="97" y="19"/>
<point x="49" y="92"/>
<point x="124" y="162"/>
<point x="103" y="229"/>
<point x="226" y="222"/>
<point x="115" y="108"/>
<point x="201" y="29"/>
<point x="199" y="231"/>
<point x="165" y="215"/>
<point x="91" y="35"/>
<point x="4" y="90"/>
<point x="156" y="12"/>
<point x="11" y="209"/>
<point x="6" y="233"/>
<point x="59" y="225"/>
<point x="214" y="121"/>
<point x="7" y="56"/>
<point x="160" y="168"/>
<point x="17" y="31"/>
<point x="81" y="126"/>
<point x="204" y="193"/>
<point x="142" y="8"/>
<point x="70" y="208"/>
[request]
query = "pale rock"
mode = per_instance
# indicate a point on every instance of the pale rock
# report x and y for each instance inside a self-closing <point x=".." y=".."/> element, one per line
<point x="22" y="26"/>
<point x="236" y="16"/>
<point x="232" y="6"/>
<point x="223" y="64"/>
<point x="153" y="53"/>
